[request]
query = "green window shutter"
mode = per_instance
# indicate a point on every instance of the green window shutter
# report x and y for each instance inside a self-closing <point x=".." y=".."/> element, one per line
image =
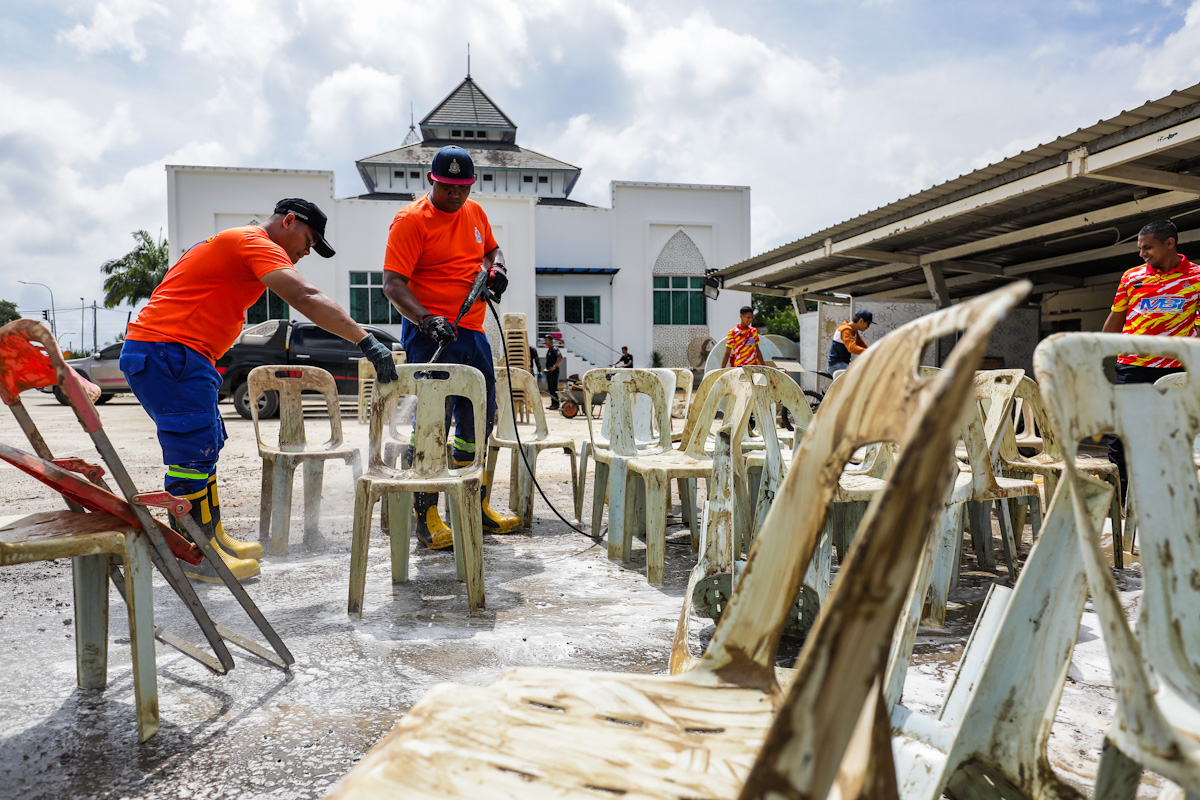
<point x="679" y="308"/>
<point x="679" y="283"/>
<point x="591" y="310"/>
<point x="358" y="278"/>
<point x="258" y="312"/>
<point x="662" y="283"/>
<point x="699" y="314"/>
<point x="359" y="311"/>
<point x="662" y="308"/>
<point x="379" y="307"/>
<point x="573" y="307"/>
<point x="276" y="307"/>
<point x="697" y="283"/>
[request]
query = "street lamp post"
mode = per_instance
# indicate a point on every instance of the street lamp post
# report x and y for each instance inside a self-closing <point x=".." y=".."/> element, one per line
<point x="82" y="324"/>
<point x="53" y="313"/>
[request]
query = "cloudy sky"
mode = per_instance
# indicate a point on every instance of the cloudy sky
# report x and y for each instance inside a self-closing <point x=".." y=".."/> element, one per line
<point x="826" y="108"/>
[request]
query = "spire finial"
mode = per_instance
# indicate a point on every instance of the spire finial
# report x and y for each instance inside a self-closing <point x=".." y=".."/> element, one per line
<point x="468" y="59"/>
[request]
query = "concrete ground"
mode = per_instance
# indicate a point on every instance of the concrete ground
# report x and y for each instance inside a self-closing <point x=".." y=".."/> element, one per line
<point x="553" y="599"/>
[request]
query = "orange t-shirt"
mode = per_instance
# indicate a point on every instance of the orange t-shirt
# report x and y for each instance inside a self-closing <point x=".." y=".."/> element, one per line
<point x="441" y="254"/>
<point x="202" y="301"/>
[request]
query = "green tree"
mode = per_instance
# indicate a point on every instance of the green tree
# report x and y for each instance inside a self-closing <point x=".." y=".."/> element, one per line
<point x="777" y="315"/>
<point x="135" y="275"/>
<point x="8" y="312"/>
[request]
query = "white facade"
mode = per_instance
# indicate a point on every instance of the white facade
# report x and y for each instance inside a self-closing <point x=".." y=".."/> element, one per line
<point x="638" y="237"/>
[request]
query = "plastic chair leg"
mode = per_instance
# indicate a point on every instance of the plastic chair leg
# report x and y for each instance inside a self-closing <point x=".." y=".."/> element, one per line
<point x="585" y="450"/>
<point x="520" y="494"/>
<point x="687" y="497"/>
<point x="355" y="462"/>
<point x="904" y="638"/>
<point x="139" y="599"/>
<point x="1007" y="539"/>
<point x="468" y="547"/>
<point x="364" y="505"/>
<point x="599" y="493"/>
<point x="1118" y="776"/>
<point x="266" y="496"/>
<point x="946" y="550"/>
<point x="490" y="464"/>
<point x="399" y="505"/>
<point x="453" y="515"/>
<point x="281" y="499"/>
<point x="314" y="479"/>
<point x="980" y="519"/>
<point x="89" y="575"/>
<point x="576" y="491"/>
<point x="620" y="546"/>
<point x="657" y="488"/>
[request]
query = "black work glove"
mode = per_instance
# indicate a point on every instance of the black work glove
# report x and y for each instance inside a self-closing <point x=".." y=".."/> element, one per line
<point x="380" y="358"/>
<point x="497" y="281"/>
<point x="440" y="329"/>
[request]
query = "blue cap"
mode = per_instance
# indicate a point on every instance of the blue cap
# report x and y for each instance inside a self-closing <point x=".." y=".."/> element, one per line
<point x="453" y="165"/>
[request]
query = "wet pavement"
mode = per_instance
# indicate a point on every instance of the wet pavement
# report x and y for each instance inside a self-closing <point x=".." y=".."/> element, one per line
<point x="553" y="599"/>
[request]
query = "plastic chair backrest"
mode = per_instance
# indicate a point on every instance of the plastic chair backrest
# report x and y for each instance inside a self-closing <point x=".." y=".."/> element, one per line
<point x="1157" y="423"/>
<point x="731" y="388"/>
<point x="432" y="385"/>
<point x="623" y="387"/>
<point x="778" y="389"/>
<point x="30" y="359"/>
<point x="685" y="381"/>
<point x="843" y="660"/>
<point x="875" y="401"/>
<point x="506" y="426"/>
<point x="706" y="384"/>
<point x="996" y="389"/>
<point x="1030" y="398"/>
<point x="289" y="381"/>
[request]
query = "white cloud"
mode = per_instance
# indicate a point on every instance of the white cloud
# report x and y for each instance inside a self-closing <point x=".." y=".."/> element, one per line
<point x="352" y="101"/>
<point x="1176" y="63"/>
<point x="113" y="28"/>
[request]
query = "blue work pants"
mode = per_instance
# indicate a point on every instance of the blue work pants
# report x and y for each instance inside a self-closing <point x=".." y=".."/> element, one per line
<point x="178" y="388"/>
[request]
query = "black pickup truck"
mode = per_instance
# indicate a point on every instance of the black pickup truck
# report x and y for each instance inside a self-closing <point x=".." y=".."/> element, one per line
<point x="284" y="342"/>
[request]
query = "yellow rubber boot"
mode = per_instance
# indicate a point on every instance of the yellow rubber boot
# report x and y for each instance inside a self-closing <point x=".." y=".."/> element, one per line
<point x="242" y="568"/>
<point x="433" y="533"/>
<point x="237" y="547"/>
<point x="493" y="521"/>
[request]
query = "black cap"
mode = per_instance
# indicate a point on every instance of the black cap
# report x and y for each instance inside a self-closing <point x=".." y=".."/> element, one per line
<point x="453" y="165"/>
<point x="867" y="315"/>
<point x="309" y="214"/>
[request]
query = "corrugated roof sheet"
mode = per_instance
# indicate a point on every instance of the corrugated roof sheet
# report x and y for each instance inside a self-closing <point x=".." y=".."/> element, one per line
<point x="467" y="106"/>
<point x="1176" y="107"/>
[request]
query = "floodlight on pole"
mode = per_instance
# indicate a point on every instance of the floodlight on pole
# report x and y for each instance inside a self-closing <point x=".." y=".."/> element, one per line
<point x="53" y="313"/>
<point x="712" y="284"/>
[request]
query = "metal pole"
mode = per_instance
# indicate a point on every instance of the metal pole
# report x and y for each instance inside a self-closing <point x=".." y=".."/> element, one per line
<point x="53" y="313"/>
<point x="95" y="338"/>
<point x="83" y="323"/>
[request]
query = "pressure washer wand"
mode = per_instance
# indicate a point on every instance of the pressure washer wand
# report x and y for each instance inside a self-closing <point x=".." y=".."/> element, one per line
<point x="478" y="289"/>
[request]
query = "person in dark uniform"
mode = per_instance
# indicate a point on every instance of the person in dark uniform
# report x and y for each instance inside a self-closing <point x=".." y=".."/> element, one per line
<point x="554" y="361"/>
<point x="626" y="359"/>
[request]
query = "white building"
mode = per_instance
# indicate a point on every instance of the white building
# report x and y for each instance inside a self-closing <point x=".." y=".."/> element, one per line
<point x="628" y="275"/>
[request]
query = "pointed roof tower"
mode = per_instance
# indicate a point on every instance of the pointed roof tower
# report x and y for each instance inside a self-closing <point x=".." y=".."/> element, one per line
<point x="413" y="137"/>
<point x="467" y="107"/>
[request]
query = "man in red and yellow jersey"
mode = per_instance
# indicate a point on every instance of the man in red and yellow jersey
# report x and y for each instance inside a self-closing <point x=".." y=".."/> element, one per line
<point x="192" y="318"/>
<point x="741" y="343"/>
<point x="436" y="247"/>
<point x="1159" y="298"/>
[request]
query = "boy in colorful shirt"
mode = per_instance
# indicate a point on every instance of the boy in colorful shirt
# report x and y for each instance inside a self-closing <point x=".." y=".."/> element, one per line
<point x="1159" y="298"/>
<point x="741" y="344"/>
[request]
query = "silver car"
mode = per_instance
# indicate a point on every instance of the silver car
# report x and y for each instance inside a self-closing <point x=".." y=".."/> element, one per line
<point x="103" y="369"/>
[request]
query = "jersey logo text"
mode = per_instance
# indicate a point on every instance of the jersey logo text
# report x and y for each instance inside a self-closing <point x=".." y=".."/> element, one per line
<point x="1161" y="304"/>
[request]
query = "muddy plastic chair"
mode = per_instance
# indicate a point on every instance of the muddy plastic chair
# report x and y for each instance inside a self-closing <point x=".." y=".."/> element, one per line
<point x="989" y="737"/>
<point x="645" y="431"/>
<point x="776" y="391"/>
<point x="292" y="450"/>
<point x="430" y="472"/>
<point x="612" y="483"/>
<point x="691" y="462"/>
<point x="1051" y="461"/>
<point x="724" y="728"/>
<point x="1156" y="671"/>
<point x="520" y="495"/>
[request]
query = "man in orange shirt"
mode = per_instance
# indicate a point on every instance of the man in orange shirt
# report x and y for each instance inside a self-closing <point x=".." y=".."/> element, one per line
<point x="436" y="246"/>
<point x="848" y="341"/>
<point x="192" y="319"/>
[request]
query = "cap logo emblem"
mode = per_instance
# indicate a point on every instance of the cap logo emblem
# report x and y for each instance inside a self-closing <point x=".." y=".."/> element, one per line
<point x="454" y="168"/>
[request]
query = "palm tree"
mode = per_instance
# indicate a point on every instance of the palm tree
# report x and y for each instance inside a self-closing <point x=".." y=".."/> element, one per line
<point x="135" y="275"/>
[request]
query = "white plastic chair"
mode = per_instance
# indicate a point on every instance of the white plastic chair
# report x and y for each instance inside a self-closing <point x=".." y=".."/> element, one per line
<point x="292" y="449"/>
<point x="723" y="728"/>
<point x="1156" y="671"/>
<point x="430" y="472"/>
<point x="520" y="494"/>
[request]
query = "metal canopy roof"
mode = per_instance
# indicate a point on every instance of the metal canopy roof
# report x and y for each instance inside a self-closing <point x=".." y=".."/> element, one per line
<point x="1065" y="214"/>
<point x="577" y="270"/>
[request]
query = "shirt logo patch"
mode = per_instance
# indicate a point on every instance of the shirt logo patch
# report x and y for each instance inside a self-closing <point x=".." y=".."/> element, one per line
<point x="454" y="167"/>
<point x="478" y="237"/>
<point x="1161" y="304"/>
